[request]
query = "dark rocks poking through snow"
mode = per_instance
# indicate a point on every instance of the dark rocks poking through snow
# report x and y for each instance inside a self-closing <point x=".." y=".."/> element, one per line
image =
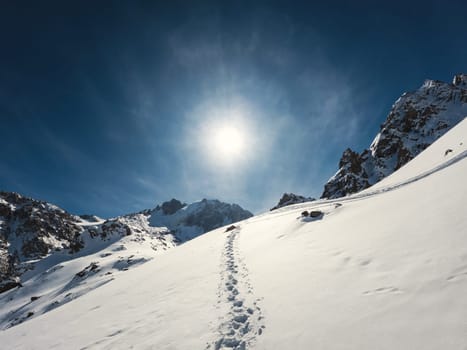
<point x="172" y="206"/>
<point x="31" y="230"/>
<point x="415" y="121"/>
<point x="91" y="268"/>
<point x="312" y="214"/>
<point x="291" y="198"/>
<point x="9" y="283"/>
<point x="230" y="228"/>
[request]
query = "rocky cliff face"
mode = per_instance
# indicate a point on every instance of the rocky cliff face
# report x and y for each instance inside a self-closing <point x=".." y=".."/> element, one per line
<point x="291" y="198"/>
<point x="31" y="230"/>
<point x="415" y="121"/>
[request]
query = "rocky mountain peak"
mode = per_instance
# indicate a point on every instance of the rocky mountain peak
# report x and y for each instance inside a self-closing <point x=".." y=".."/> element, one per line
<point x="414" y="122"/>
<point x="431" y="84"/>
<point x="352" y="160"/>
<point x="187" y="221"/>
<point x="35" y="227"/>
<point x="32" y="230"/>
<point x="172" y="206"/>
<point x="460" y="80"/>
<point x="291" y="198"/>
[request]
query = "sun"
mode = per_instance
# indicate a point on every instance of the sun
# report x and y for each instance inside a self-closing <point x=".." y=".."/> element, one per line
<point x="228" y="141"/>
<point x="224" y="139"/>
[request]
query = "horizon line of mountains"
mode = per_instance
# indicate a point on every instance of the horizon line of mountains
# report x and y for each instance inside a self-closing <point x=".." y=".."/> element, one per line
<point x="31" y="230"/>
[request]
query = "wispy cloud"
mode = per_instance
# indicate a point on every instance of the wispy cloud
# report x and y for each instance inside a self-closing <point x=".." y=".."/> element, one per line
<point x="62" y="151"/>
<point x="295" y="130"/>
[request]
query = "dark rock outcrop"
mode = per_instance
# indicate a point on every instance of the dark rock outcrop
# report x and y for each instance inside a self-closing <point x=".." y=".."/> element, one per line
<point x="172" y="206"/>
<point x="230" y="228"/>
<point x="30" y="230"/>
<point x="415" y="121"/>
<point x="33" y="228"/>
<point x="291" y="198"/>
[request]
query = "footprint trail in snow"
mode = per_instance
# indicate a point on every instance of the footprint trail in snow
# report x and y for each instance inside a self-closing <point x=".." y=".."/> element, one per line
<point x="244" y="321"/>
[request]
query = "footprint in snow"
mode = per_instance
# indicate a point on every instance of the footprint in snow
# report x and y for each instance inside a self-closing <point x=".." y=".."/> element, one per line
<point x="383" y="290"/>
<point x="457" y="276"/>
<point x="244" y="321"/>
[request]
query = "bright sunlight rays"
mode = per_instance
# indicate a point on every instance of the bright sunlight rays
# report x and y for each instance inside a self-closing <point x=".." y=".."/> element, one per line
<point x="228" y="141"/>
<point x="226" y="137"/>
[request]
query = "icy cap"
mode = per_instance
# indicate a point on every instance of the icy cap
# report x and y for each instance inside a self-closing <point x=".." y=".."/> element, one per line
<point x="460" y="80"/>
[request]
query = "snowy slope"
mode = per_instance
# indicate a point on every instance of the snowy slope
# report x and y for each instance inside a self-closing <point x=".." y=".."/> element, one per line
<point x="49" y="257"/>
<point x="382" y="269"/>
<point x="62" y="277"/>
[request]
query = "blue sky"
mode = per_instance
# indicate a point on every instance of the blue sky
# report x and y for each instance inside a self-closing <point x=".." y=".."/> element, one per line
<point x="103" y="107"/>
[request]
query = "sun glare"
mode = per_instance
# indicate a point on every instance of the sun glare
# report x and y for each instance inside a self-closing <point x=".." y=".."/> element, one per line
<point x="225" y="139"/>
<point x="228" y="141"/>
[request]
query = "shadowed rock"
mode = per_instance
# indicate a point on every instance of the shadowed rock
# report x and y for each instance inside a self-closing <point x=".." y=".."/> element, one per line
<point x="415" y="121"/>
<point x="291" y="198"/>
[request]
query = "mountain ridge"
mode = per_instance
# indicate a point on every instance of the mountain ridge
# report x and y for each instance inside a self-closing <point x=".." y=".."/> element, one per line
<point x="415" y="121"/>
<point x="32" y="230"/>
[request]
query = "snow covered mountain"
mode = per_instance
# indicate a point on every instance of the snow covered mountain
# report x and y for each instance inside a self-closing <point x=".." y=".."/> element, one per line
<point x="189" y="221"/>
<point x="382" y="269"/>
<point x="415" y="121"/>
<point x="38" y="238"/>
<point x="29" y="230"/>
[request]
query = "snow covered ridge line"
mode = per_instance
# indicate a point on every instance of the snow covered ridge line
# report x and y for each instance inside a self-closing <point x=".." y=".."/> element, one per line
<point x="454" y="158"/>
<point x="189" y="221"/>
<point x="40" y="242"/>
<point x="415" y="121"/>
<point x="38" y="227"/>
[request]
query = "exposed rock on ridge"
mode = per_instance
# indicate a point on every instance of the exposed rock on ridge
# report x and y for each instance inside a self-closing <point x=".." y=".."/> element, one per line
<point x="291" y="198"/>
<point x="31" y="230"/>
<point x="189" y="221"/>
<point x="415" y="121"/>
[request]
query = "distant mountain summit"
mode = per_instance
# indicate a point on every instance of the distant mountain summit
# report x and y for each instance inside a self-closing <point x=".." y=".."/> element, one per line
<point x="187" y="221"/>
<point x="33" y="231"/>
<point x="415" y="121"/>
<point x="291" y="198"/>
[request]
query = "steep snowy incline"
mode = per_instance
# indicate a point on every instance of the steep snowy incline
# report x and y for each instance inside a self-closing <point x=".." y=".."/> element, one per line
<point x="443" y="151"/>
<point x="380" y="270"/>
<point x="383" y="269"/>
